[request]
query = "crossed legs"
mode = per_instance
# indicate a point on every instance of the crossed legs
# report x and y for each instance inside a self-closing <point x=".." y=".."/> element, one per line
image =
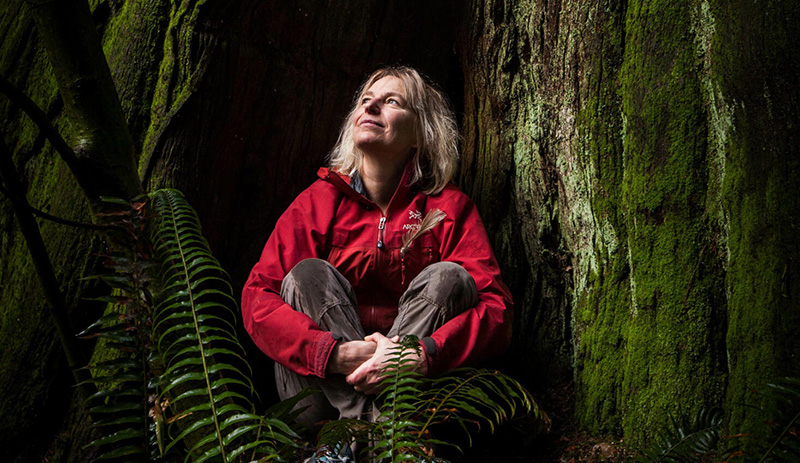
<point x="314" y="287"/>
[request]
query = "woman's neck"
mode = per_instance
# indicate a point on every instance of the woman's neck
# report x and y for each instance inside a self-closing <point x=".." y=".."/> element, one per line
<point x="381" y="177"/>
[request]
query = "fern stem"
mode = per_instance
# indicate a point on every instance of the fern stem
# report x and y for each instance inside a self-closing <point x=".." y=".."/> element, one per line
<point x="199" y="337"/>
<point x="393" y="419"/>
<point x="447" y="397"/>
<point x="778" y="440"/>
<point x="142" y="346"/>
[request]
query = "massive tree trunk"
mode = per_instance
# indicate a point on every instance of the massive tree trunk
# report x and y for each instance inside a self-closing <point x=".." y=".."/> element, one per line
<point x="632" y="161"/>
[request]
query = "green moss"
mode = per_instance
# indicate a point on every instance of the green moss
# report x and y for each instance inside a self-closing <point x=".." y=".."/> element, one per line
<point x="755" y="68"/>
<point x="134" y="64"/>
<point x="34" y="382"/>
<point x="603" y="299"/>
<point x="648" y="340"/>
<point x="179" y="70"/>
<point x="670" y="364"/>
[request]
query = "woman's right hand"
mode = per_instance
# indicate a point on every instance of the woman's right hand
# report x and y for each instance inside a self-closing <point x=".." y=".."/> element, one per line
<point x="347" y="356"/>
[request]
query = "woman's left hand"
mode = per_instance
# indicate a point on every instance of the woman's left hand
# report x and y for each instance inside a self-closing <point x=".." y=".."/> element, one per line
<point x="366" y="378"/>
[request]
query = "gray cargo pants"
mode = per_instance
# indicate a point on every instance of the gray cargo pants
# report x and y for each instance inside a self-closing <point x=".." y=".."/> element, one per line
<point x="314" y="287"/>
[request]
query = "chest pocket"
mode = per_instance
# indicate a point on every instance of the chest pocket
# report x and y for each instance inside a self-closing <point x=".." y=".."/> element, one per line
<point x="422" y="252"/>
<point x="353" y="262"/>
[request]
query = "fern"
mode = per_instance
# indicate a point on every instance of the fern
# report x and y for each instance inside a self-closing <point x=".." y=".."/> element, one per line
<point x="688" y="439"/>
<point x="411" y="404"/>
<point x="396" y="424"/>
<point x="206" y="379"/>
<point x="783" y="445"/>
<point x="176" y="384"/>
<point x="126" y="392"/>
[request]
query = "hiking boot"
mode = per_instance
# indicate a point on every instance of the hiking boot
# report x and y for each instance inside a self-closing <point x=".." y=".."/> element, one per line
<point x="332" y="454"/>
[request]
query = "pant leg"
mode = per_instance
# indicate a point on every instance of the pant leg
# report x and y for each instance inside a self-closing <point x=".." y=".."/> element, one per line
<point x="317" y="289"/>
<point x="440" y="292"/>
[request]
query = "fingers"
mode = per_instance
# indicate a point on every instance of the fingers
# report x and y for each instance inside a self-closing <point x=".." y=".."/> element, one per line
<point x="367" y="386"/>
<point x="357" y="376"/>
<point x="364" y="379"/>
<point x="368" y="375"/>
<point x="375" y="337"/>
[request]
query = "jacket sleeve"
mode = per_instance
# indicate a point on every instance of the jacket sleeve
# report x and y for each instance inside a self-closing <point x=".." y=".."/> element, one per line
<point x="289" y="337"/>
<point x="484" y="330"/>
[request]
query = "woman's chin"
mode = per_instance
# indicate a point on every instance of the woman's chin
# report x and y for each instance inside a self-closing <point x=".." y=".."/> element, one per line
<point x="370" y="146"/>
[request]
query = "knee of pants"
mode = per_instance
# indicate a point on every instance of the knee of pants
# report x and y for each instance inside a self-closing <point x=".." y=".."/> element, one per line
<point x="448" y="281"/>
<point x="307" y="271"/>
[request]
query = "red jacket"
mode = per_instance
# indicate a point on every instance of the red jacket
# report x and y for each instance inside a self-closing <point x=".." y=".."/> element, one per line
<point x="331" y="221"/>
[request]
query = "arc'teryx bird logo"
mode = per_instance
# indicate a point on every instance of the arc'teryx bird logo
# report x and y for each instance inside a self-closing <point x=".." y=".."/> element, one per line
<point x="413" y="215"/>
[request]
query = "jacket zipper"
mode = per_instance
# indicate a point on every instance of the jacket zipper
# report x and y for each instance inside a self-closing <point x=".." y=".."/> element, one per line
<point x="381" y="227"/>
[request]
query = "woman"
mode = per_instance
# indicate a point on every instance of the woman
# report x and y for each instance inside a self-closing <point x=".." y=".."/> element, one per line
<point x="382" y="243"/>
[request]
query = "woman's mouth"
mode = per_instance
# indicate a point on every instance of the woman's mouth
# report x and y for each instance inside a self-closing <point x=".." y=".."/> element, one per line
<point x="370" y="122"/>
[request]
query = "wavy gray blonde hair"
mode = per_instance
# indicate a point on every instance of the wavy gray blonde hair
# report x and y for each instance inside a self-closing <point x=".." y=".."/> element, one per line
<point x="436" y="157"/>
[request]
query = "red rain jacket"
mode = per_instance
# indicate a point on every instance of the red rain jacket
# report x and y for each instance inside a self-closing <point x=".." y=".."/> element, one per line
<point x="331" y="221"/>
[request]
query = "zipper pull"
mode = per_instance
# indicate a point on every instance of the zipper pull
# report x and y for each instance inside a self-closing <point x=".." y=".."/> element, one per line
<point x="381" y="227"/>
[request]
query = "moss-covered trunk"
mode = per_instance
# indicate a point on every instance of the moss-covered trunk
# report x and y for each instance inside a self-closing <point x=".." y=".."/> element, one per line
<point x="636" y="162"/>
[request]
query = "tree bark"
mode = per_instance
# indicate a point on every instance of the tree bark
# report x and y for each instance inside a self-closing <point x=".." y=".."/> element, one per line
<point x="626" y="223"/>
<point x="44" y="268"/>
<point x="101" y="140"/>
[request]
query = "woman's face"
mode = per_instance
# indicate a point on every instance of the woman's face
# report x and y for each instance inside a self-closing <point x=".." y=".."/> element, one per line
<point x="384" y="123"/>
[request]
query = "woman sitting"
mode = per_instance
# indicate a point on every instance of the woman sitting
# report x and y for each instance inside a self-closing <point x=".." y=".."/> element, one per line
<point x="381" y="246"/>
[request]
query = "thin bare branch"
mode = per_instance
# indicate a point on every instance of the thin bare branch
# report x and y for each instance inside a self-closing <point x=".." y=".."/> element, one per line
<point x="40" y="119"/>
<point x="44" y="215"/>
<point x="44" y="269"/>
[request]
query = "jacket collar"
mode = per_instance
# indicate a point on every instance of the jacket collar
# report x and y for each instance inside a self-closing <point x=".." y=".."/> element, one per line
<point x="348" y="185"/>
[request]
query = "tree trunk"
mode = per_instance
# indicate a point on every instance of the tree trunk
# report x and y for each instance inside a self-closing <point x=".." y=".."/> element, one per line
<point x="104" y="165"/>
<point x="631" y="144"/>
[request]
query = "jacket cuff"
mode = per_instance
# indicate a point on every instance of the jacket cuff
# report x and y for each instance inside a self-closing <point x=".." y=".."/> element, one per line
<point x="429" y="346"/>
<point x="324" y="345"/>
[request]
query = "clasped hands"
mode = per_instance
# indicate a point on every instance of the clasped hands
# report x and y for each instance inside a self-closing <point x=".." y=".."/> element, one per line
<point x="362" y="361"/>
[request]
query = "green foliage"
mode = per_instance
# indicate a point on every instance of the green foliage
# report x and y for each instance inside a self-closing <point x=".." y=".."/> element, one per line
<point x="178" y="385"/>
<point x="206" y="377"/>
<point x="411" y="404"/>
<point x="688" y="439"/>
<point x="126" y="391"/>
<point x="783" y="444"/>
<point x="402" y="437"/>
<point x="698" y="438"/>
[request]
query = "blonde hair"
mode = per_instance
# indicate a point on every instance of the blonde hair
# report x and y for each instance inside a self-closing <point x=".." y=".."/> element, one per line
<point x="436" y="157"/>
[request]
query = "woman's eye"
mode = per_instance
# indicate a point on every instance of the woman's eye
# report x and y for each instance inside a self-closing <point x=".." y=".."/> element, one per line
<point x="365" y="100"/>
<point x="392" y="101"/>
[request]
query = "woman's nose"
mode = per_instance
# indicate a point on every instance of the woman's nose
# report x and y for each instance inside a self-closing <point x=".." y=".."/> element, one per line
<point x="373" y="107"/>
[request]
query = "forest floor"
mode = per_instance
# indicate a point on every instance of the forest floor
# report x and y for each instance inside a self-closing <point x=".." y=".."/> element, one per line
<point x="565" y="443"/>
<point x="584" y="448"/>
<point x="523" y="440"/>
